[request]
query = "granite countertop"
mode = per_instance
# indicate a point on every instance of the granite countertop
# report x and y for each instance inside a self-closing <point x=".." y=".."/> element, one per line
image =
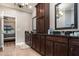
<point x="56" y="35"/>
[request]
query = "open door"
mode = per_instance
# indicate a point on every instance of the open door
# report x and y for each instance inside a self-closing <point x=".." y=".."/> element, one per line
<point x="7" y="30"/>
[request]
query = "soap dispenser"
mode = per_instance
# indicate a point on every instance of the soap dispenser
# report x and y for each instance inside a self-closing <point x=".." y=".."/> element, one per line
<point x="49" y="31"/>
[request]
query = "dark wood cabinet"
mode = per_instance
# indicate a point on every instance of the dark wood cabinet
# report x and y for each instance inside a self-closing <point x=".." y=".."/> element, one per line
<point x="34" y="37"/>
<point x="60" y="46"/>
<point x="36" y="42"/>
<point x="55" y="45"/>
<point x="74" y="46"/>
<point x="42" y="44"/>
<point x="40" y="25"/>
<point x="28" y="38"/>
<point x="60" y="49"/>
<point x="42" y="21"/>
<point x="74" y="50"/>
<point x="49" y="46"/>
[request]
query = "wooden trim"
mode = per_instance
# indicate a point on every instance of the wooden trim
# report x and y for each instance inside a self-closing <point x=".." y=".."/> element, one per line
<point x="9" y="40"/>
<point x="1" y="49"/>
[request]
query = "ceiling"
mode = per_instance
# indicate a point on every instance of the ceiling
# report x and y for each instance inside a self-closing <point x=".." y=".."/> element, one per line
<point x="14" y="6"/>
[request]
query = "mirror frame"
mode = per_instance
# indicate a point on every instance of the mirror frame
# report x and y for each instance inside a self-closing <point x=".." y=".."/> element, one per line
<point x="75" y="18"/>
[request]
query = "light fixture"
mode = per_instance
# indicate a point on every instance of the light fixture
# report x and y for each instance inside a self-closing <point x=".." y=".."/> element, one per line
<point x="29" y="6"/>
<point x="22" y="5"/>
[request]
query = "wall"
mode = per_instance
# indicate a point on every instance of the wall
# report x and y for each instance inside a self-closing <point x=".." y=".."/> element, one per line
<point x="34" y="12"/>
<point x="34" y="20"/>
<point x="0" y="34"/>
<point x="23" y="22"/>
<point x="52" y="17"/>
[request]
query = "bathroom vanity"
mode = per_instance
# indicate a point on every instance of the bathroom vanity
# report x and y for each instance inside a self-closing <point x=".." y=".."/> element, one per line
<point x="55" y="45"/>
<point x="48" y="44"/>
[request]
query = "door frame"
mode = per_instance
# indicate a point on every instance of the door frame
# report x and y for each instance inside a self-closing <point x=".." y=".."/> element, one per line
<point x="15" y="18"/>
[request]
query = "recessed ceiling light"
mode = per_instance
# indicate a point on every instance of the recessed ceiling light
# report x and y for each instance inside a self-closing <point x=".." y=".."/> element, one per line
<point x="21" y="5"/>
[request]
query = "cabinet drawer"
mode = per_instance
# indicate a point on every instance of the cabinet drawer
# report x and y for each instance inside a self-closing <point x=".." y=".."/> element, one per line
<point x="61" y="39"/>
<point x="51" y="38"/>
<point x="74" y="41"/>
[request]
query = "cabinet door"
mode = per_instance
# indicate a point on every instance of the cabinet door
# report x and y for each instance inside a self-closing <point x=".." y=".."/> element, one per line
<point x="38" y="43"/>
<point x="42" y="13"/>
<point x="60" y="49"/>
<point x="74" y="50"/>
<point x="33" y="41"/>
<point x="74" y="46"/>
<point x="42" y="9"/>
<point x="40" y="25"/>
<point x="42" y="45"/>
<point x="49" y="46"/>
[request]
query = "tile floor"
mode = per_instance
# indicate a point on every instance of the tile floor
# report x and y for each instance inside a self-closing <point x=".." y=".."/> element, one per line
<point x="11" y="50"/>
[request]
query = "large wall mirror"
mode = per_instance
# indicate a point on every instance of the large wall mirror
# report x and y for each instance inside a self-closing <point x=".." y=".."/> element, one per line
<point x="66" y="16"/>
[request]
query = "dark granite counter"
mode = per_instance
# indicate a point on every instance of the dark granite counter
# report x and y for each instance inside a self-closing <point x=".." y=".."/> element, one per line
<point x="56" y="35"/>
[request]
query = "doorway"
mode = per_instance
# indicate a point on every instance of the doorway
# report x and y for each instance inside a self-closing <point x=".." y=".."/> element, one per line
<point x="9" y="31"/>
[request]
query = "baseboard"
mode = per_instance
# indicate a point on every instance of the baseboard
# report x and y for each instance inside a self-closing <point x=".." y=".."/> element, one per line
<point x="20" y="43"/>
<point x="9" y="40"/>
